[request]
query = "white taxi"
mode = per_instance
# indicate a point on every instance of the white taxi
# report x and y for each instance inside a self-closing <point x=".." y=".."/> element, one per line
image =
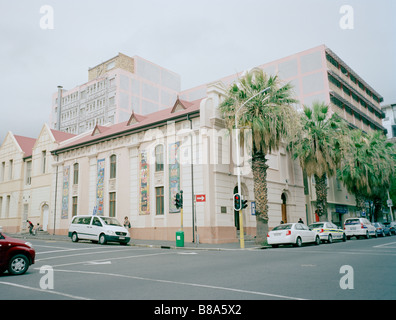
<point x="328" y="231"/>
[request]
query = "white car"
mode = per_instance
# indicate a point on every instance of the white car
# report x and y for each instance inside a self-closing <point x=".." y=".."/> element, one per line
<point x="328" y="231"/>
<point x="291" y="233"/>
<point x="359" y="227"/>
<point x="99" y="229"/>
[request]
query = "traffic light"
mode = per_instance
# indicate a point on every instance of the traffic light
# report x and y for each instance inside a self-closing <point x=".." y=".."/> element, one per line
<point x="237" y="202"/>
<point x="244" y="204"/>
<point x="179" y="200"/>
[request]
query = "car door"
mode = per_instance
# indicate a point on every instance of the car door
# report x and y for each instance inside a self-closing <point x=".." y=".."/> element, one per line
<point x="3" y="250"/>
<point x="308" y="235"/>
<point x="96" y="228"/>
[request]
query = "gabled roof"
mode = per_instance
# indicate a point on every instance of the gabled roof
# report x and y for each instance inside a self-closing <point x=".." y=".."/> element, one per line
<point x="99" y="129"/>
<point x="135" y="118"/>
<point x="134" y="124"/>
<point x="26" y="144"/>
<point x="61" y="136"/>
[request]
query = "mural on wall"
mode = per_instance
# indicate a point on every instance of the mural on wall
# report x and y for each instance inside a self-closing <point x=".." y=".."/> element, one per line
<point x="65" y="193"/>
<point x="144" y="183"/>
<point x="174" y="176"/>
<point x="100" y="188"/>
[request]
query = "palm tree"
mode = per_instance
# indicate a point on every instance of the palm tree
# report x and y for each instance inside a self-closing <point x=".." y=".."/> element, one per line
<point x="270" y="117"/>
<point x="367" y="166"/>
<point x="318" y="149"/>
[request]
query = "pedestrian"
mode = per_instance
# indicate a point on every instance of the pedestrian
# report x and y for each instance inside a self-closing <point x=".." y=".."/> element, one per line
<point x="37" y="228"/>
<point x="300" y="221"/>
<point x="281" y="222"/>
<point x="127" y="224"/>
<point x="31" y="226"/>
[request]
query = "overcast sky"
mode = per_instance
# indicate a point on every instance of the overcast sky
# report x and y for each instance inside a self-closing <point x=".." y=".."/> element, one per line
<point x="200" y="40"/>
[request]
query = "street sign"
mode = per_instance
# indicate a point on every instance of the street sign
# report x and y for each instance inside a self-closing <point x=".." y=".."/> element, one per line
<point x="253" y="208"/>
<point x="389" y="203"/>
<point x="200" y="197"/>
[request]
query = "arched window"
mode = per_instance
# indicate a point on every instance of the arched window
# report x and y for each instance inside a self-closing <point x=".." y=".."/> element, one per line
<point x="159" y="158"/>
<point x="75" y="173"/>
<point x="113" y="166"/>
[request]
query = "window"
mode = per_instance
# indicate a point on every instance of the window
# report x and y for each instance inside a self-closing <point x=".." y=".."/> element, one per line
<point x="43" y="160"/>
<point x="112" y="206"/>
<point x="2" y="171"/>
<point x="8" y="203"/>
<point x="10" y="169"/>
<point x="113" y="166"/>
<point x="74" y="206"/>
<point x="394" y="131"/>
<point x="28" y="172"/>
<point x="1" y="206"/>
<point x="159" y="158"/>
<point x="159" y="196"/>
<point x="75" y="173"/>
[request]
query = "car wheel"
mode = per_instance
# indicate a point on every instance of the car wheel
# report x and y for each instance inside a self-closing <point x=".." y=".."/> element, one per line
<point x="102" y="239"/>
<point x="317" y="240"/>
<point x="74" y="237"/>
<point x="330" y="239"/>
<point x="18" y="264"/>
<point x="298" y="242"/>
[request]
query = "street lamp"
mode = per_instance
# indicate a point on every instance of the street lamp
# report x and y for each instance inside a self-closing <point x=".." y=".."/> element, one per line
<point x="241" y="235"/>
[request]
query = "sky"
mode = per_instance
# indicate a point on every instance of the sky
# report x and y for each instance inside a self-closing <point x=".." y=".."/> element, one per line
<point x="201" y="40"/>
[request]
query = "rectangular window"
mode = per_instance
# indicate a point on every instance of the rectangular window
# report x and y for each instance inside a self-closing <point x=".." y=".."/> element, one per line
<point x="28" y="172"/>
<point x="113" y="166"/>
<point x="43" y="161"/>
<point x="112" y="206"/>
<point x="74" y="206"/>
<point x="11" y="163"/>
<point x="2" y="172"/>
<point x="7" y="209"/>
<point x="75" y="173"/>
<point x="159" y="196"/>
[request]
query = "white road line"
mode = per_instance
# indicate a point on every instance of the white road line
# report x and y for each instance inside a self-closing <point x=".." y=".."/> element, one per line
<point x="44" y="291"/>
<point x="81" y="254"/>
<point x="386" y="244"/>
<point x="183" y="284"/>
<point x="107" y="259"/>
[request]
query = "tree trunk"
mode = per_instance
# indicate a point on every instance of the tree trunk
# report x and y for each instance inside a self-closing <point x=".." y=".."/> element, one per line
<point x="321" y="196"/>
<point x="259" y="168"/>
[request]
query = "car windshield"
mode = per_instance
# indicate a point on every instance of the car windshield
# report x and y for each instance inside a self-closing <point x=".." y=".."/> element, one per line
<point x="352" y="221"/>
<point x="316" y="225"/>
<point x="111" y="221"/>
<point x="283" y="227"/>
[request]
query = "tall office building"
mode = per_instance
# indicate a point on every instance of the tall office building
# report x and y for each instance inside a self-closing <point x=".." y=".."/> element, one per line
<point x="114" y="89"/>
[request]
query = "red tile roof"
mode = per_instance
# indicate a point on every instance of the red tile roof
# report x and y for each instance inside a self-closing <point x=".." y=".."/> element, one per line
<point x="61" y="136"/>
<point x="26" y="144"/>
<point x="141" y="122"/>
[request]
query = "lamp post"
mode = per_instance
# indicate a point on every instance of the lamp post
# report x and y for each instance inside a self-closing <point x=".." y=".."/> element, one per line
<point x="241" y="235"/>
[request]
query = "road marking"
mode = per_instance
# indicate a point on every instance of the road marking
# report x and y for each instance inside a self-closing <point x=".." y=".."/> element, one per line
<point x="44" y="291"/>
<point x="183" y="284"/>
<point x="386" y="244"/>
<point x="97" y="262"/>
<point x="80" y="254"/>
<point x="119" y="258"/>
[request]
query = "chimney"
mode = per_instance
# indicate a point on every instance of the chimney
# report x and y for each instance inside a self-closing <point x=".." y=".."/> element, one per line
<point x="58" y="119"/>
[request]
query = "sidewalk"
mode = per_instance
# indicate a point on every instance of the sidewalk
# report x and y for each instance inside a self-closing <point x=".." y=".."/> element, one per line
<point x="163" y="244"/>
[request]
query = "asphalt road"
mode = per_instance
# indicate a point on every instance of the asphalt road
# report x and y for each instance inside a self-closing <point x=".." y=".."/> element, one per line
<point x="356" y="269"/>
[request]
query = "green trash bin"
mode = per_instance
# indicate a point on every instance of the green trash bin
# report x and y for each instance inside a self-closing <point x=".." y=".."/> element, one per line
<point x="179" y="238"/>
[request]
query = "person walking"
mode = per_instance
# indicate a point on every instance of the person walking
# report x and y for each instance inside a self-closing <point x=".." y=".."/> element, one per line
<point x="31" y="226"/>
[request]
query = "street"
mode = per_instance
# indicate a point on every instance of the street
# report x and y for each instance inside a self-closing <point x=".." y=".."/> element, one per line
<point x="83" y="270"/>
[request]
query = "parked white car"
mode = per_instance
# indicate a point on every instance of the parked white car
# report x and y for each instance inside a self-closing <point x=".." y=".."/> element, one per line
<point x="359" y="227"/>
<point x="97" y="228"/>
<point x="328" y="231"/>
<point x="291" y="233"/>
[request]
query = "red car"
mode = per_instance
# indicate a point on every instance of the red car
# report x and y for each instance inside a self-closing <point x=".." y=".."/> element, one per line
<point x="15" y="255"/>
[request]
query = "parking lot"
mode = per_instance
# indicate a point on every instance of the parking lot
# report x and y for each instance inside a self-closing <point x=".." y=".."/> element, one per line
<point x="84" y="270"/>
